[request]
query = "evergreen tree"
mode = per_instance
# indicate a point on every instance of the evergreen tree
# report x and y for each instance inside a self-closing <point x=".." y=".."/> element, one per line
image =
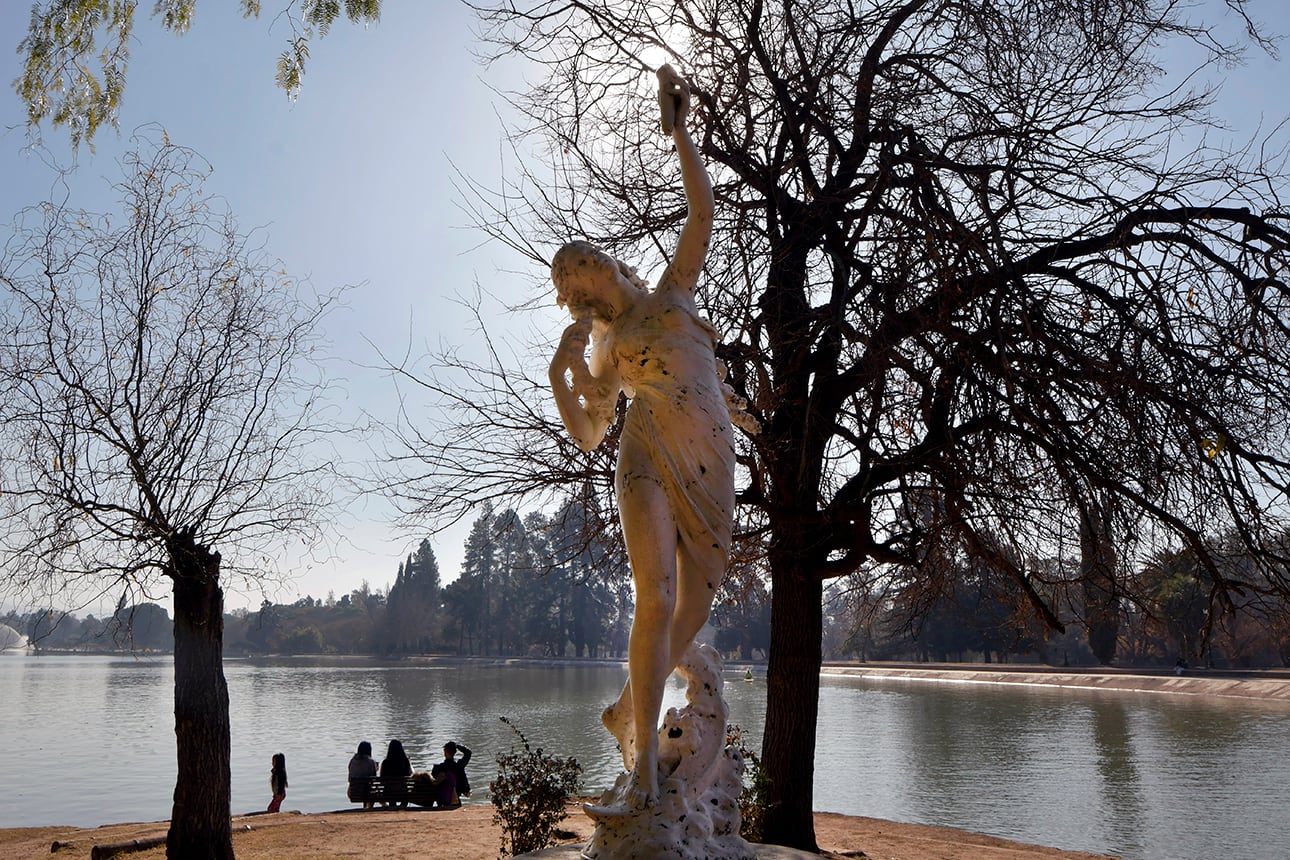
<point x="543" y="592"/>
<point x="513" y="566"/>
<point x="412" y="616"/>
<point x="595" y="574"/>
<point x="471" y="596"/>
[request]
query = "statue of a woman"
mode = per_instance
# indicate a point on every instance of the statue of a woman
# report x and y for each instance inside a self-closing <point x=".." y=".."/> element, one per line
<point x="676" y="457"/>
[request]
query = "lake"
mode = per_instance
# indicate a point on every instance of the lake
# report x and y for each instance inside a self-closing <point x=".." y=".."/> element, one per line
<point x="1138" y="775"/>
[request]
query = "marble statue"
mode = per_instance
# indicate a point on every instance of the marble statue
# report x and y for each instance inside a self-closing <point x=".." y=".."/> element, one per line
<point x="676" y="456"/>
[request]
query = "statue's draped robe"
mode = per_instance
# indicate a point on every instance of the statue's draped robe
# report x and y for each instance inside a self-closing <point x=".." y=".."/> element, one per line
<point x="677" y="430"/>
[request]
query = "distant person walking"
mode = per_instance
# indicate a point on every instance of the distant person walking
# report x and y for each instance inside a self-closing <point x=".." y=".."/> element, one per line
<point x="278" y="781"/>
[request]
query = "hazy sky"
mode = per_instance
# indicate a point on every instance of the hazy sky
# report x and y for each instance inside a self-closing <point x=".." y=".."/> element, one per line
<point x="353" y="184"/>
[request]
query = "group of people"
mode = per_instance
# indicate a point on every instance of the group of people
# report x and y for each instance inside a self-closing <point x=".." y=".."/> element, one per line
<point x="445" y="784"/>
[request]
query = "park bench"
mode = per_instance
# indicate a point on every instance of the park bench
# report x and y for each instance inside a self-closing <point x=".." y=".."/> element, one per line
<point x="389" y="790"/>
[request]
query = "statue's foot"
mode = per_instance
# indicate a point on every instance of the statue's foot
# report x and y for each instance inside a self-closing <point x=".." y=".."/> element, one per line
<point x="638" y="794"/>
<point x="642" y="790"/>
<point x="599" y="813"/>
<point x="617" y="719"/>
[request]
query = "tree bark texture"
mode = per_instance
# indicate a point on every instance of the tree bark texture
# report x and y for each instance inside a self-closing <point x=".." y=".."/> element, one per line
<point x="200" y="825"/>
<point x="792" y="453"/>
<point x="792" y="707"/>
<point x="1101" y="594"/>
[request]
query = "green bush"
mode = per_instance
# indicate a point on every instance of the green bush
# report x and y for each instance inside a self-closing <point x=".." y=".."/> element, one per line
<point x="530" y="794"/>
<point x="754" y="800"/>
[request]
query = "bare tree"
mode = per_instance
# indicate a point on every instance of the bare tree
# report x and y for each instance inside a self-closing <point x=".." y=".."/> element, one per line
<point x="499" y="439"/>
<point x="975" y="269"/>
<point x="163" y="393"/>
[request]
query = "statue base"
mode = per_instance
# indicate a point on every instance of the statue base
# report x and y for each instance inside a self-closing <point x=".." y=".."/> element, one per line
<point x="700" y="777"/>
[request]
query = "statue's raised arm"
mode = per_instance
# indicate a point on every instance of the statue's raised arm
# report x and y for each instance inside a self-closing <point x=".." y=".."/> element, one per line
<point x="674" y="104"/>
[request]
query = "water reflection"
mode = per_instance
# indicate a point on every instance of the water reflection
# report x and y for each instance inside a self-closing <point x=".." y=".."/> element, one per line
<point x="1141" y="776"/>
<point x="1122" y="805"/>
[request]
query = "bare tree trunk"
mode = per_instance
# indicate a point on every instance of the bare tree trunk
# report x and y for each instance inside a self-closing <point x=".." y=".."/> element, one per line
<point x="1101" y="594"/>
<point x="200" y="825"/>
<point x="792" y="706"/>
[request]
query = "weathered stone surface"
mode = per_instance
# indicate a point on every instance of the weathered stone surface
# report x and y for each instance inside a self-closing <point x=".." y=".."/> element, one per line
<point x="700" y="776"/>
<point x="757" y="852"/>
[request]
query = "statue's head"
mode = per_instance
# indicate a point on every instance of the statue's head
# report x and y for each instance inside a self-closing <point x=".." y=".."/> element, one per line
<point x="583" y="274"/>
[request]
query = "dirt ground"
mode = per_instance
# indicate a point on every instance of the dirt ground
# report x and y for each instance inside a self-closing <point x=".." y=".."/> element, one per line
<point x="469" y="833"/>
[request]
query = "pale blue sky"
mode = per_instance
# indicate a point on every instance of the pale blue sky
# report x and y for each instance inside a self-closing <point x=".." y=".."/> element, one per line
<point x="353" y="184"/>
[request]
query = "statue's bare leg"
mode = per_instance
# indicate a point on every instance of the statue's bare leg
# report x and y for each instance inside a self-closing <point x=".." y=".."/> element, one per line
<point x="699" y="574"/>
<point x="698" y="577"/>
<point x="649" y="531"/>
<point x="617" y="718"/>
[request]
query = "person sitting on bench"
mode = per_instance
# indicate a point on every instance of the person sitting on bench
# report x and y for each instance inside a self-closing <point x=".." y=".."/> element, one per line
<point x="449" y="775"/>
<point x="395" y="770"/>
<point x="362" y="767"/>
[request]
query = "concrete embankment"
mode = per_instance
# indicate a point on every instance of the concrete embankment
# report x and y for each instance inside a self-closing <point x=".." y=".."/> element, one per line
<point x="1268" y="684"/>
<point x="1272" y="685"/>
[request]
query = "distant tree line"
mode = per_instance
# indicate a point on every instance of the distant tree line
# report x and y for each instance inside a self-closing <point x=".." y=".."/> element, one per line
<point x="145" y="627"/>
<point x="531" y="586"/>
<point x="976" y="614"/>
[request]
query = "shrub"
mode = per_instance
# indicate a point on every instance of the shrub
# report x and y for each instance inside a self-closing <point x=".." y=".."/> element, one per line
<point x="530" y="794"/>
<point x="754" y="800"/>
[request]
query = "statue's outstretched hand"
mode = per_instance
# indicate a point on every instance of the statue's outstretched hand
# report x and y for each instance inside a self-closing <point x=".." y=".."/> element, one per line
<point x="673" y="98"/>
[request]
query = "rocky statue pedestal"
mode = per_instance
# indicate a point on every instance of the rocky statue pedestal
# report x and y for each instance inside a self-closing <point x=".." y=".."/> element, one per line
<point x="696" y="816"/>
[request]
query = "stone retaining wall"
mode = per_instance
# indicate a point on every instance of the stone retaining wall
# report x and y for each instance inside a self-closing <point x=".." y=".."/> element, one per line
<point x="1272" y="687"/>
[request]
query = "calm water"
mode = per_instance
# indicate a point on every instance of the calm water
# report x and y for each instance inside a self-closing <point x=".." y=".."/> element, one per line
<point x="1137" y="775"/>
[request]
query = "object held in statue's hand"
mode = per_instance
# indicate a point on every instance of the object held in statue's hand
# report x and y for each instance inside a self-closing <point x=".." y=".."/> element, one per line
<point x="669" y="100"/>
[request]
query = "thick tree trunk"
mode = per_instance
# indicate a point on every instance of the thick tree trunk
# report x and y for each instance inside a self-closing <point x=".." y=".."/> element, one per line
<point x="200" y="826"/>
<point x="792" y="706"/>
<point x="1101" y="594"/>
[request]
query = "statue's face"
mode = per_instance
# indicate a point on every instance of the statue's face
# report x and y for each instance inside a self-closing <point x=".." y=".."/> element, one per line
<point x="585" y="278"/>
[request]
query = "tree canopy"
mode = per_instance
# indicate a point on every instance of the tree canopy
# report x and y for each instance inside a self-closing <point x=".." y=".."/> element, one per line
<point x="978" y="271"/>
<point x="162" y="400"/>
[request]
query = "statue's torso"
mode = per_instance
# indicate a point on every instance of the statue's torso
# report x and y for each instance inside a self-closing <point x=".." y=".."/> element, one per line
<point x="663" y="351"/>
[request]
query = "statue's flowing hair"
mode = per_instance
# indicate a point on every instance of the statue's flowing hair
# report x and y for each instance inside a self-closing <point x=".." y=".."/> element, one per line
<point x="629" y="272"/>
<point x="581" y="248"/>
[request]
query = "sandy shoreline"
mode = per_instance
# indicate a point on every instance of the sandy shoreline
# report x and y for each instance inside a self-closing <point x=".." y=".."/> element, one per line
<point x="469" y="834"/>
